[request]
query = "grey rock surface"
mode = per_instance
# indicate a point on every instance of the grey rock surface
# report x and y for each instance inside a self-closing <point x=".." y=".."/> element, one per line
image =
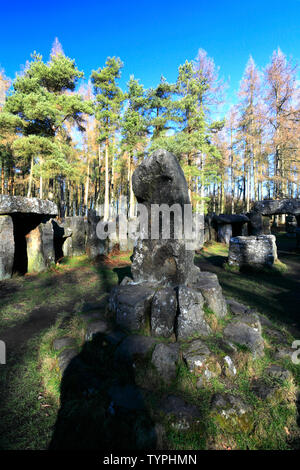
<point x="246" y="335"/>
<point x="163" y="312"/>
<point x="95" y="327"/>
<point x="163" y="261"/>
<point x="277" y="206"/>
<point x="190" y="319"/>
<point x="65" y="358"/>
<point x="132" y="305"/>
<point x="182" y="413"/>
<point x="7" y="246"/>
<point x="196" y="355"/>
<point x="208" y="284"/>
<point x="132" y="347"/>
<point x="26" y="205"/>
<point x="75" y="244"/>
<point x="165" y="358"/>
<point x="159" y="179"/>
<point x="255" y="251"/>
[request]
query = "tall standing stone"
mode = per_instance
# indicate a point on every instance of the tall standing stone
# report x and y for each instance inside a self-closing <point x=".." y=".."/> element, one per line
<point x="159" y="180"/>
<point x="164" y="265"/>
<point x="7" y="246"/>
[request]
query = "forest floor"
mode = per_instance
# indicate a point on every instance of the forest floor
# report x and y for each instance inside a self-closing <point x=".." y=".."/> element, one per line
<point x="35" y="309"/>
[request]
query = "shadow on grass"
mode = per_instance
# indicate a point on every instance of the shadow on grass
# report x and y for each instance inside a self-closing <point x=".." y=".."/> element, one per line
<point x="101" y="406"/>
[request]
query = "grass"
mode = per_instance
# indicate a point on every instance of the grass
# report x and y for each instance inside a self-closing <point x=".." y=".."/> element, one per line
<point x="38" y="407"/>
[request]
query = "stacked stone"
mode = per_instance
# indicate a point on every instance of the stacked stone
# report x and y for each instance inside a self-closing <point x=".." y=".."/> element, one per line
<point x="167" y="290"/>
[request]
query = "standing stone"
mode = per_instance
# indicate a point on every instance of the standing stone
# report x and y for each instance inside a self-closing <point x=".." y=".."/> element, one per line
<point x="290" y="224"/>
<point x="190" y="320"/>
<point x="163" y="261"/>
<point x="255" y="225"/>
<point x="255" y="251"/>
<point x="74" y="245"/>
<point x="40" y="247"/>
<point x="163" y="312"/>
<point x="159" y="179"/>
<point x="7" y="246"/>
<point x="94" y="245"/>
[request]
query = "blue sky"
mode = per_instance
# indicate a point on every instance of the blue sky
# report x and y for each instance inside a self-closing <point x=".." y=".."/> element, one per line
<point x="151" y="37"/>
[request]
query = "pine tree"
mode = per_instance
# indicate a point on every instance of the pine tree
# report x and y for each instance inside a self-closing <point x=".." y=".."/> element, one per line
<point x="134" y="130"/>
<point x="108" y="101"/>
<point x="160" y="106"/>
<point x="38" y="110"/>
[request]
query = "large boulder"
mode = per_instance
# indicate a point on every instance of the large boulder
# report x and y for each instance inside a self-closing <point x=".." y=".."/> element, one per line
<point x="40" y="247"/>
<point x="94" y="245"/>
<point x="74" y="245"/>
<point x="255" y="251"/>
<point x="159" y="179"/>
<point x="7" y="246"/>
<point x="190" y="320"/>
<point x="26" y="205"/>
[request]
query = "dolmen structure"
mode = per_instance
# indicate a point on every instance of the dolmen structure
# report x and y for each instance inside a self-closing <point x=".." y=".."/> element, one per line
<point x="32" y="237"/>
<point x="258" y="249"/>
<point x="26" y="234"/>
<point x="167" y="291"/>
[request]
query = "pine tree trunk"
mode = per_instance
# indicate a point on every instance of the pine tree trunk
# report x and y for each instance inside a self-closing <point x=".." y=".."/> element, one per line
<point x="30" y="178"/>
<point x="106" y="194"/>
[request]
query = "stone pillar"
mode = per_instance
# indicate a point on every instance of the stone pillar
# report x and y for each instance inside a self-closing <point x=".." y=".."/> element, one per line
<point x="224" y="233"/>
<point x="291" y="225"/>
<point x="40" y="247"/>
<point x="94" y="245"/>
<point x="255" y="224"/>
<point x="7" y="246"/>
<point x="75" y="244"/>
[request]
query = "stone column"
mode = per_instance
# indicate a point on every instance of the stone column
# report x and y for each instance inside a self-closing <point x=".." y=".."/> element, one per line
<point x="7" y="246"/>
